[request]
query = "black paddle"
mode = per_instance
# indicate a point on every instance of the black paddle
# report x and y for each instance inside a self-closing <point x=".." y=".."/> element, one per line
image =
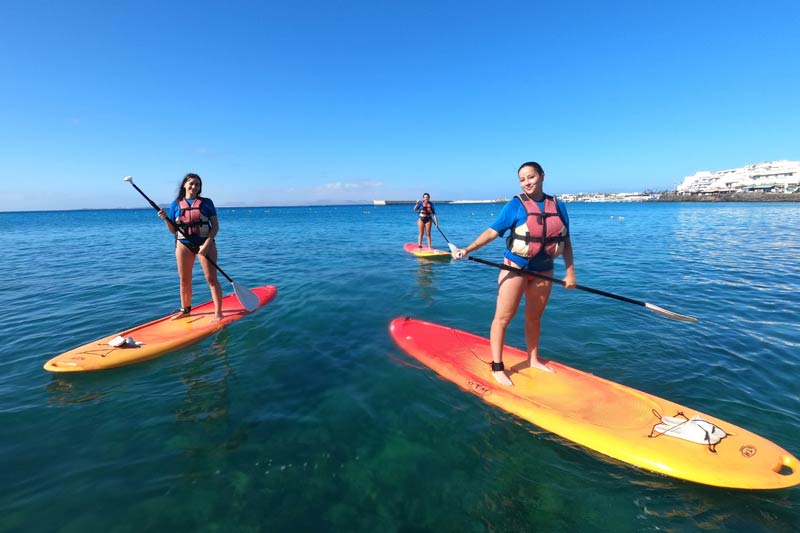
<point x="246" y="297"/>
<point x="656" y="309"/>
<point x="453" y="247"/>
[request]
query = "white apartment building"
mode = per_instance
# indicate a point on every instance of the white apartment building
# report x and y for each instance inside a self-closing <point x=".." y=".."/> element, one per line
<point x="776" y="176"/>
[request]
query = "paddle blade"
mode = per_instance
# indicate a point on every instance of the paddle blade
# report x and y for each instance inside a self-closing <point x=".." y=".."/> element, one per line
<point x="248" y="300"/>
<point x="453" y="249"/>
<point x="670" y="314"/>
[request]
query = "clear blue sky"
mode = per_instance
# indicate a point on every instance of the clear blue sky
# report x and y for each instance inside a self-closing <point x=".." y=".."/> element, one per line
<point x="296" y="102"/>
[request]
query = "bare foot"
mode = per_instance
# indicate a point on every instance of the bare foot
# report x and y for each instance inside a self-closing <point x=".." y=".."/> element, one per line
<point x="179" y="314"/>
<point x="535" y="363"/>
<point x="217" y="318"/>
<point x="501" y="377"/>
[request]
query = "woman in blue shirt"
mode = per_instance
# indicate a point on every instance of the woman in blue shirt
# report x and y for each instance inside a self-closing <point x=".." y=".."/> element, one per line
<point x="531" y="246"/>
<point x="427" y="213"/>
<point x="193" y="221"/>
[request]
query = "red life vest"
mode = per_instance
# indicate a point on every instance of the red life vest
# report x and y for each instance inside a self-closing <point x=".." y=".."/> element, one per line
<point x="191" y="221"/>
<point x="425" y="209"/>
<point x="542" y="229"/>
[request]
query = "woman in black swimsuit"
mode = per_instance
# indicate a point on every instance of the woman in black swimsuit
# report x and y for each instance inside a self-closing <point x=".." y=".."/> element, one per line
<point x="426" y="214"/>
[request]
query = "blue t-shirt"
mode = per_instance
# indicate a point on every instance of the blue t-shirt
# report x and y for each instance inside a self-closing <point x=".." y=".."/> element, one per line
<point x="513" y="215"/>
<point x="207" y="209"/>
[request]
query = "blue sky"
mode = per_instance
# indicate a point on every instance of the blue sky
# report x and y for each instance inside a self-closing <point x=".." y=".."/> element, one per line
<point x="297" y="102"/>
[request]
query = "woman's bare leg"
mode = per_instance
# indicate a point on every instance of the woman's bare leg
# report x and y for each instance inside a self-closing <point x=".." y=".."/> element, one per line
<point x="537" y="295"/>
<point x="510" y="287"/>
<point x="211" y="277"/>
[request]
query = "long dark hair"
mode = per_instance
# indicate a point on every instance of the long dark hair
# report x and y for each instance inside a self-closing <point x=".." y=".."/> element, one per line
<point x="534" y="165"/>
<point x="187" y="177"/>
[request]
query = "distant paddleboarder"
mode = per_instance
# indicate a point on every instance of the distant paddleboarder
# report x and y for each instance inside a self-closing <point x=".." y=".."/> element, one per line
<point x="427" y="213"/>
<point x="539" y="232"/>
<point x="193" y="220"/>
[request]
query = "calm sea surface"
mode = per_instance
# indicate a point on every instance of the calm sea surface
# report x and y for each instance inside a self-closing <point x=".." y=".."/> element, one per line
<point x="305" y="416"/>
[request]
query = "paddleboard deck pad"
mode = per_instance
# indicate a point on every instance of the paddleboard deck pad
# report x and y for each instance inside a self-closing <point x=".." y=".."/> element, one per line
<point x="425" y="252"/>
<point x="620" y="422"/>
<point x="156" y="338"/>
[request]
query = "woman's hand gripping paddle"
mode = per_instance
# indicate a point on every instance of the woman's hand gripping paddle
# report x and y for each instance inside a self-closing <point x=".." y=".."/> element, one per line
<point x="245" y="296"/>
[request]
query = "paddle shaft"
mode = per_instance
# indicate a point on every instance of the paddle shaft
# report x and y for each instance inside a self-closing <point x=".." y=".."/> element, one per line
<point x="178" y="230"/>
<point x="554" y="280"/>
<point x="443" y="235"/>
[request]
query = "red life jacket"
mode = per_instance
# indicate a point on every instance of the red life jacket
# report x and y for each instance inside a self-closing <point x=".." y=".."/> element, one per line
<point x="542" y="229"/>
<point x="191" y="221"/>
<point x="425" y="209"/>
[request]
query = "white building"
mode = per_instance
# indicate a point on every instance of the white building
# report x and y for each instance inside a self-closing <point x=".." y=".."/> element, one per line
<point x="777" y="176"/>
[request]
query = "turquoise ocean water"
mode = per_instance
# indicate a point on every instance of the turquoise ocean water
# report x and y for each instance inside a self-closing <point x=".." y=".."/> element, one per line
<point x="306" y="417"/>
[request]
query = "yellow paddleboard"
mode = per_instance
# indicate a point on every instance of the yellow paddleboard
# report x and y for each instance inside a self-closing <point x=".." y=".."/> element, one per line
<point x="426" y="253"/>
<point x="607" y="417"/>
<point x="156" y="338"/>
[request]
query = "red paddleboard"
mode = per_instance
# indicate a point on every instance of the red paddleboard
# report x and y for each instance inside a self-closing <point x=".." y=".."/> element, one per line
<point x="618" y="421"/>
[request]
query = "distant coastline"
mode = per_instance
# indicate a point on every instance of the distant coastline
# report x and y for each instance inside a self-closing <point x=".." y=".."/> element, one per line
<point x="412" y="202"/>
<point x="673" y="196"/>
<point x="648" y="197"/>
<point x="730" y="197"/>
<point x="665" y="197"/>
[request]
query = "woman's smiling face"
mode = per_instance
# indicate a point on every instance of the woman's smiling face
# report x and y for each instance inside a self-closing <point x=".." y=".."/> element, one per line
<point x="192" y="187"/>
<point x="531" y="181"/>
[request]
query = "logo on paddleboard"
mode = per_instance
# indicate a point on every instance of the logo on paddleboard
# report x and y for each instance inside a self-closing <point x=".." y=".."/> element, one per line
<point x="748" y="450"/>
<point x="478" y="388"/>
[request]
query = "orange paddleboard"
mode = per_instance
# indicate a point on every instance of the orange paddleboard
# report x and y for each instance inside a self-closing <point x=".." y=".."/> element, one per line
<point x="607" y="417"/>
<point x="425" y="252"/>
<point x="155" y="338"/>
